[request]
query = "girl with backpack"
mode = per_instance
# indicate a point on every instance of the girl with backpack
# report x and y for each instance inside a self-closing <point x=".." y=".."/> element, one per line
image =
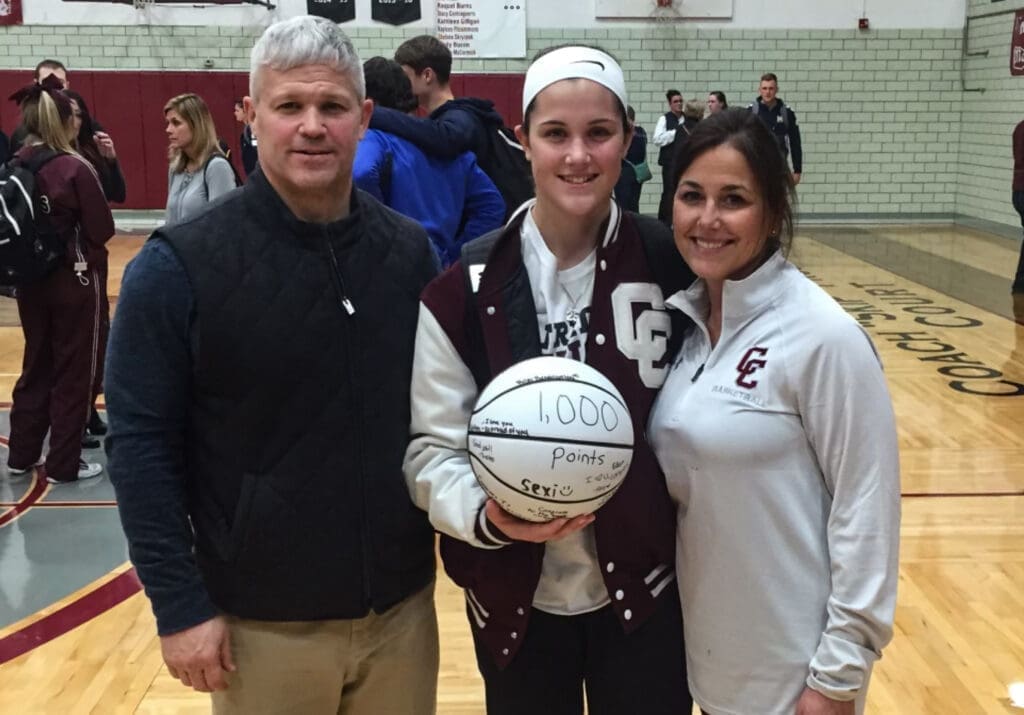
<point x="572" y="607"/>
<point x="61" y="312"/>
<point x="199" y="171"/>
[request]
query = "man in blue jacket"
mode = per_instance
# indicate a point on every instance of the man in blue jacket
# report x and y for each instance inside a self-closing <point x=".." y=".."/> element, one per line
<point x="454" y="200"/>
<point x="780" y="120"/>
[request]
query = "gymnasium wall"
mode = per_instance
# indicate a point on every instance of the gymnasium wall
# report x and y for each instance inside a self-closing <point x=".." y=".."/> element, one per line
<point x="879" y="110"/>
<point x="986" y="156"/>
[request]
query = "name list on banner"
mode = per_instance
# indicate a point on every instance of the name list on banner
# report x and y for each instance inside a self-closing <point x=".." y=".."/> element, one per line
<point x="482" y="28"/>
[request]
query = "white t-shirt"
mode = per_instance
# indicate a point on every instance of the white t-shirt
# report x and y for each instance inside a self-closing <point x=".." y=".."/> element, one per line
<point x="570" y="580"/>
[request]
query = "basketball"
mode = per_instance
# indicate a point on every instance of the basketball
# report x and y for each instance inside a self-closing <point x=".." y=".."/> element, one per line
<point x="550" y="437"/>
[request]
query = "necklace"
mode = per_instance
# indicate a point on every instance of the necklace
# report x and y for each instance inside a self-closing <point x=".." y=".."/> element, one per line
<point x="571" y="315"/>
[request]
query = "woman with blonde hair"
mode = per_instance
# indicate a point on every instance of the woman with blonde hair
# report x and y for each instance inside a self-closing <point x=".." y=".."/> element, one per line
<point x="199" y="171"/>
<point x="60" y="311"/>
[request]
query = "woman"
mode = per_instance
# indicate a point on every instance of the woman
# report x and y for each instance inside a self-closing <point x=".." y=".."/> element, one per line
<point x="199" y="172"/>
<point x="96" y="147"/>
<point x="588" y="600"/>
<point x="716" y="102"/>
<point x="60" y="313"/>
<point x="777" y="437"/>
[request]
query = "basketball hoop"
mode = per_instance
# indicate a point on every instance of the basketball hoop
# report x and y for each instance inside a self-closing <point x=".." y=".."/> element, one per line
<point x="667" y="11"/>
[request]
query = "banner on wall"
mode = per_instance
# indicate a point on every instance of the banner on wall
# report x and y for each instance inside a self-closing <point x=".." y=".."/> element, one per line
<point x="396" y="12"/>
<point x="10" y="12"/>
<point x="483" y="28"/>
<point x="1017" y="45"/>
<point x="334" y="10"/>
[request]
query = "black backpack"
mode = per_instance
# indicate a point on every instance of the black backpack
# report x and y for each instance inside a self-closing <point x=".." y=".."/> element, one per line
<point x="29" y="247"/>
<point x="505" y="162"/>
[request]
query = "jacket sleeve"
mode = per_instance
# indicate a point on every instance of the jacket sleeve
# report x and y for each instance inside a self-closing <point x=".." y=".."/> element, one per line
<point x="848" y="416"/>
<point x="662" y="136"/>
<point x="148" y="373"/>
<point x="451" y="134"/>
<point x="796" y="149"/>
<point x="483" y="211"/>
<point x="114" y="186"/>
<point x="219" y="177"/>
<point x="96" y="221"/>
<point x="436" y="466"/>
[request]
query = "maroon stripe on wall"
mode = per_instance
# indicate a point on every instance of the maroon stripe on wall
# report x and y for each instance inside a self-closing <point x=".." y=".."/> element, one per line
<point x="129" y="105"/>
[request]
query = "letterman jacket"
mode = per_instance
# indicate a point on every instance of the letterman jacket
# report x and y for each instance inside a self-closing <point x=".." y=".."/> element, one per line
<point x="631" y="340"/>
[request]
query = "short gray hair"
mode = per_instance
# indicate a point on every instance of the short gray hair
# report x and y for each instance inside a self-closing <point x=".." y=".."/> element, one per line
<point x="305" y="40"/>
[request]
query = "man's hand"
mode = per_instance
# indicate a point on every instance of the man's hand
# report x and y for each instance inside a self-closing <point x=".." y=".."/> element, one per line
<point x="521" y="530"/>
<point x="199" y="656"/>
<point x="814" y="703"/>
<point x="105" y="144"/>
<point x="796" y="177"/>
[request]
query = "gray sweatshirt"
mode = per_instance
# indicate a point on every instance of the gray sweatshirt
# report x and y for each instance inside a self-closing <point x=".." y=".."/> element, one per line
<point x="188" y="192"/>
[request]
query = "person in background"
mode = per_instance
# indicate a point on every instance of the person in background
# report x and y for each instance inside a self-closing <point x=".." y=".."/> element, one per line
<point x="716" y="102"/>
<point x="664" y="135"/>
<point x="5" y="147"/>
<point x="787" y="538"/>
<point x="60" y="313"/>
<point x="247" y="140"/>
<point x="693" y="112"/>
<point x="199" y="171"/>
<point x="1017" y="197"/>
<point x="454" y="200"/>
<point x="264" y="508"/>
<point x="629" y="185"/>
<point x="581" y="606"/>
<point x="781" y="122"/>
<point x="98" y="149"/>
<point x="45" y="68"/>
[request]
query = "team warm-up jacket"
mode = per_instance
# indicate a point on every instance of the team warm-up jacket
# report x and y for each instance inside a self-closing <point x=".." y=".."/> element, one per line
<point x="257" y="388"/>
<point x="630" y="340"/>
<point x="779" y="445"/>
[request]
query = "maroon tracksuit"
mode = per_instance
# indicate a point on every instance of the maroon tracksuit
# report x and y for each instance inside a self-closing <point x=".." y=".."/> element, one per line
<point x="61" y="318"/>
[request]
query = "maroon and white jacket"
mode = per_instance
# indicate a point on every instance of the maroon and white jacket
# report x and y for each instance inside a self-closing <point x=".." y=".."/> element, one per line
<point x="629" y="341"/>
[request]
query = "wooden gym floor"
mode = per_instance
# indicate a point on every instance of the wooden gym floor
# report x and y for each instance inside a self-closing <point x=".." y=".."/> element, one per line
<point x="76" y="635"/>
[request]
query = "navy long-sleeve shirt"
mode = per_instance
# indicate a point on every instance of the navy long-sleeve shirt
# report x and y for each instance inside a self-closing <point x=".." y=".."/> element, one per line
<point x="152" y="347"/>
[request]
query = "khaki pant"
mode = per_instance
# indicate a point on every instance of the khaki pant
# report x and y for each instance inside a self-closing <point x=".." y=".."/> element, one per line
<point x="383" y="664"/>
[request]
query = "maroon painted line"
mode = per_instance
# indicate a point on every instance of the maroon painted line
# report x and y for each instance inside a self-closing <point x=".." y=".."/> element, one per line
<point x="70" y="616"/>
<point x="32" y="496"/>
<point x="942" y="495"/>
<point x="51" y="504"/>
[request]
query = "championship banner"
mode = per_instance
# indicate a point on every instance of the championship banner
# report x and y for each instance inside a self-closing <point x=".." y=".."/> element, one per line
<point x="334" y="10"/>
<point x="10" y="12"/>
<point x="396" y="12"/>
<point x="483" y="28"/>
<point x="1016" y="44"/>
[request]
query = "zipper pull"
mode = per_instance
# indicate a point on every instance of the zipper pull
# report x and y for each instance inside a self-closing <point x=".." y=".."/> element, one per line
<point x="349" y="308"/>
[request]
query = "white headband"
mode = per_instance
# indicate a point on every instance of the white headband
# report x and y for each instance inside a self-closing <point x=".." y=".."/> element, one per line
<point x="574" y="63"/>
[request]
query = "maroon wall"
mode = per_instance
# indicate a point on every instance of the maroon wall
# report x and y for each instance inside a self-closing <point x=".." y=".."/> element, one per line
<point x="130" y="104"/>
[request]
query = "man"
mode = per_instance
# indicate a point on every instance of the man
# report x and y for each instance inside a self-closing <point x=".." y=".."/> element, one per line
<point x="258" y="393"/>
<point x="247" y="140"/>
<point x="780" y="120"/>
<point x="43" y="70"/>
<point x="453" y="200"/>
<point x="664" y="135"/>
<point x="1018" y="199"/>
<point x="454" y="125"/>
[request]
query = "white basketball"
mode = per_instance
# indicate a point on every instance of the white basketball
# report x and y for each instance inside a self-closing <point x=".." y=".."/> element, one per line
<point x="550" y="437"/>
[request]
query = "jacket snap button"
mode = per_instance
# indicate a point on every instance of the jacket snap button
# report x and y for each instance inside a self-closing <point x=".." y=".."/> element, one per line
<point x="610" y="567"/>
<point x="604" y="265"/>
<point x="627" y="614"/>
<point x="490" y="310"/>
<point x="619" y="595"/>
<point x="514" y="635"/>
<point x="520" y="612"/>
<point x="599" y="339"/>
<point x="504" y="651"/>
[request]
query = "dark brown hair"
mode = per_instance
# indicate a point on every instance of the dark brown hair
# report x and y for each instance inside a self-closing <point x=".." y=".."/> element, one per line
<point x="426" y="51"/>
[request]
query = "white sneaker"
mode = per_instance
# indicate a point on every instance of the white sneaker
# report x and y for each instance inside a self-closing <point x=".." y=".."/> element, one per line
<point x="86" y="470"/>
<point x="14" y="472"/>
